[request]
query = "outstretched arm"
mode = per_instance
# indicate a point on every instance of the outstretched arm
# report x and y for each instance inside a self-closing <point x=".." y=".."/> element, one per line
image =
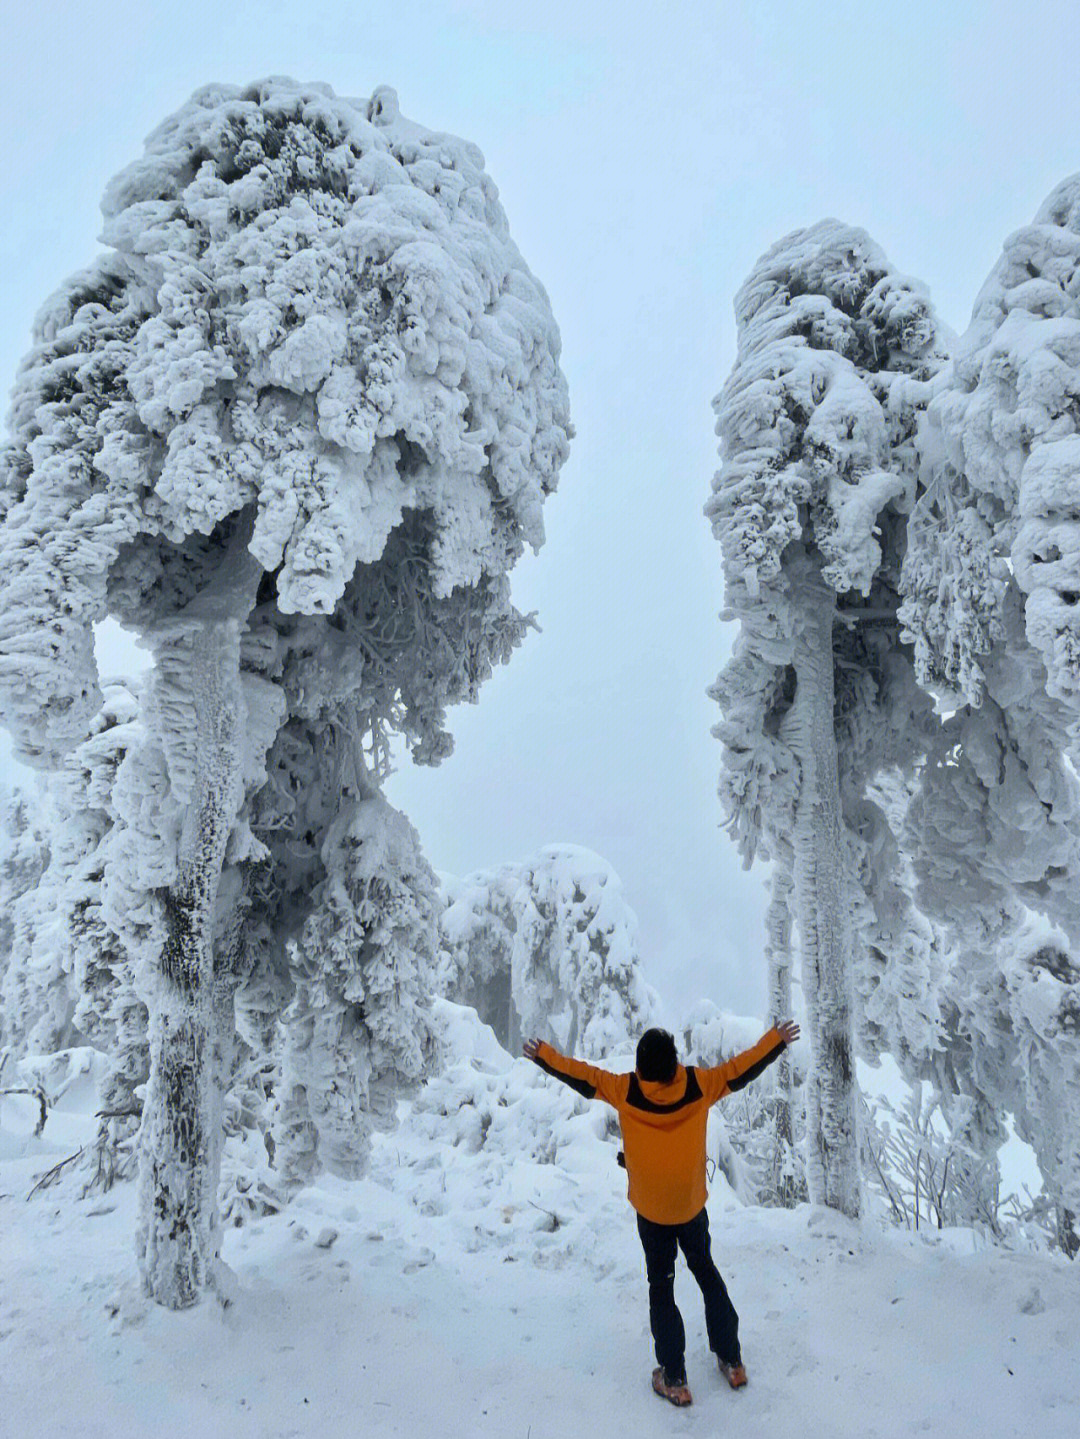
<point x="738" y="1071"/>
<point x="585" y="1079"/>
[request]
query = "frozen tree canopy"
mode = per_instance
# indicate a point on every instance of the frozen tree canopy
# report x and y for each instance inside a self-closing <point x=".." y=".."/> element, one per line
<point x="24" y="858"/>
<point x="817" y="425"/>
<point x="310" y="311"/>
<point x="67" y="963"/>
<point x="548" y="947"/>
<point x="1002" y="453"/>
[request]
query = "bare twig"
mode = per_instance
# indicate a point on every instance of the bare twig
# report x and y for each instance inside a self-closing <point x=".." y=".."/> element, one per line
<point x="556" y="1221"/>
<point x="51" y="1175"/>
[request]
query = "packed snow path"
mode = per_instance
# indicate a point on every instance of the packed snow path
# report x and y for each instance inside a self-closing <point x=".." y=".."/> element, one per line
<point x="398" y="1329"/>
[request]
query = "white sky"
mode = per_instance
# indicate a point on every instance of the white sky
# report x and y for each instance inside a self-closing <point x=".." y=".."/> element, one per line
<point x="646" y="155"/>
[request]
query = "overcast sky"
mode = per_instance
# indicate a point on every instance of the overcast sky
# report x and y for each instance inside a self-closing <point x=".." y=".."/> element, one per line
<point x="646" y="155"/>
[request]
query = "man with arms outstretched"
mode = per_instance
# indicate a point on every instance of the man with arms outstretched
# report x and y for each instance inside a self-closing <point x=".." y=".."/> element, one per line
<point x="663" y="1109"/>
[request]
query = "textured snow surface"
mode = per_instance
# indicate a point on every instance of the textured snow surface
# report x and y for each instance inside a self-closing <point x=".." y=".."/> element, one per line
<point x="457" y="1308"/>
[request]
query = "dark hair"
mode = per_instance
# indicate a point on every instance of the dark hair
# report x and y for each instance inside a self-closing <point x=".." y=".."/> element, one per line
<point x="656" y="1056"/>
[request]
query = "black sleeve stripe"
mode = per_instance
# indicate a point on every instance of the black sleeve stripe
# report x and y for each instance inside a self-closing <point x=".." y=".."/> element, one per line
<point x="755" y="1069"/>
<point x="582" y="1086"/>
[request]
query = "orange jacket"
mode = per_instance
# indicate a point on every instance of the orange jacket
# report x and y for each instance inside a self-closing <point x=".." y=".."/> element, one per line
<point x="663" y="1125"/>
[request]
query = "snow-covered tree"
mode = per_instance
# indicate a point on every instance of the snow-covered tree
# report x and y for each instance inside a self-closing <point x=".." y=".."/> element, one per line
<point x="754" y="1136"/>
<point x="818" y="474"/>
<point x="477" y="929"/>
<point x="991" y="583"/>
<point x="293" y="427"/>
<point x="1016" y="1048"/>
<point x="356" y="1031"/>
<point x="73" y="979"/>
<point x="24" y="857"/>
<point x="548" y="947"/>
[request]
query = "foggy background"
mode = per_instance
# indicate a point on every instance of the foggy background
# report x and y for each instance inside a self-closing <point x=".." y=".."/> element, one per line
<point x="646" y="156"/>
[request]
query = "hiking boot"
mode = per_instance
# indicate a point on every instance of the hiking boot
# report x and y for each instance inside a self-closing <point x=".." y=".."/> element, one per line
<point x="677" y="1394"/>
<point x="735" y="1374"/>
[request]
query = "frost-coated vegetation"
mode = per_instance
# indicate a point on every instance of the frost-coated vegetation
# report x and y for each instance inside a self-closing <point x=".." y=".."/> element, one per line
<point x="991" y="584"/>
<point x="548" y="949"/>
<point x="897" y="523"/>
<point x="357" y="1030"/>
<point x="293" y="427"/>
<point x="818" y="474"/>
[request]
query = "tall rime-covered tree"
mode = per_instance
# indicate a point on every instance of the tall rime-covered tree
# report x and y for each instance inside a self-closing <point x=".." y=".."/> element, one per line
<point x="293" y="427"/>
<point x="817" y="424"/>
<point x="991" y="582"/>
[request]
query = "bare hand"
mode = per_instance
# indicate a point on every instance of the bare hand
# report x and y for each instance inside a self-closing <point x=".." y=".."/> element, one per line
<point x="788" y="1031"/>
<point x="530" y="1047"/>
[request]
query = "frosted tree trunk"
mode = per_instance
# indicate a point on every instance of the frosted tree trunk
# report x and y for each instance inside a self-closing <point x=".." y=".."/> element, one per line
<point x="180" y="1144"/>
<point x="1068" y="1239"/>
<point x="784" y="1183"/>
<point x="831" y="1139"/>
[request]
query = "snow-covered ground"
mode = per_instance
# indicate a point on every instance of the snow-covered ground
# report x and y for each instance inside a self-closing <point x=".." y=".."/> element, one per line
<point x="486" y="1279"/>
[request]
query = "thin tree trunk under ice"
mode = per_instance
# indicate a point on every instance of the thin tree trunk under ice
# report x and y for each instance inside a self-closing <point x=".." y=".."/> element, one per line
<point x="180" y="1145"/>
<point x="831" y="1140"/>
<point x="784" y="1186"/>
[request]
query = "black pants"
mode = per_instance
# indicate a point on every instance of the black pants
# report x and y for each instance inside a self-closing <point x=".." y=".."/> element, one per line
<point x="661" y="1242"/>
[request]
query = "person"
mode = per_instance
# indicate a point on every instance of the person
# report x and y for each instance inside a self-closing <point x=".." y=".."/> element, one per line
<point x="663" y="1108"/>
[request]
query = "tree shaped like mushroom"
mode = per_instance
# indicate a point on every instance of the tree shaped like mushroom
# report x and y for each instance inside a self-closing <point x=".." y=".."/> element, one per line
<point x="294" y="427"/>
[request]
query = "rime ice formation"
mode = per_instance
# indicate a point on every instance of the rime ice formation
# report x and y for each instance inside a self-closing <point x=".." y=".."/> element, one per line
<point x="293" y="427"/>
<point x="357" y="1031"/>
<point x="1001" y="451"/>
<point x="24" y="858"/>
<point x="817" y="424"/>
<point x="310" y="311"/>
<point x="991" y="582"/>
<point x="548" y="948"/>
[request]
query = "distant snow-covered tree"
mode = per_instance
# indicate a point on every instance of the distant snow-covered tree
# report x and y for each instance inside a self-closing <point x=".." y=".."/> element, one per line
<point x="756" y="1131"/>
<point x="548" y="947"/>
<point x="94" y="954"/>
<point x="817" y="424"/>
<point x="293" y="427"/>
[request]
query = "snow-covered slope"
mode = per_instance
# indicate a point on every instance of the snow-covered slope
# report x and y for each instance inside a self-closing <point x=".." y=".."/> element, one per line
<point x="486" y="1280"/>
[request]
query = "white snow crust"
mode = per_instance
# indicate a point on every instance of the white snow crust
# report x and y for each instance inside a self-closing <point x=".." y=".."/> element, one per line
<point x="486" y="1280"/>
